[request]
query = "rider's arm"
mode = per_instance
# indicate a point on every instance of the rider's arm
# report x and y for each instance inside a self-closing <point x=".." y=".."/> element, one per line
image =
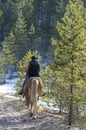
<point x="38" y="67"/>
<point x="27" y="69"/>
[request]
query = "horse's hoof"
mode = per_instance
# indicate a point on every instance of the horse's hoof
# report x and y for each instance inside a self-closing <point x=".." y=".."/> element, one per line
<point x="31" y="114"/>
<point x="34" y="117"/>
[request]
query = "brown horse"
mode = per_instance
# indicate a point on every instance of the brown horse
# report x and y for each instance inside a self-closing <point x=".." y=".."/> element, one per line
<point x="33" y="90"/>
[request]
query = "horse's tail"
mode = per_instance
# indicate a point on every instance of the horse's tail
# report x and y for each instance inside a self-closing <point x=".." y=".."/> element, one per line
<point x="34" y="91"/>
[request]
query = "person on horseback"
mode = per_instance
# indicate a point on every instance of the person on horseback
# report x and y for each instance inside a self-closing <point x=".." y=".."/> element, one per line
<point x="33" y="70"/>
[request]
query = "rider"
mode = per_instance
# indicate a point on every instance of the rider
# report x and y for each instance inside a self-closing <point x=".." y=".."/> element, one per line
<point x="32" y="70"/>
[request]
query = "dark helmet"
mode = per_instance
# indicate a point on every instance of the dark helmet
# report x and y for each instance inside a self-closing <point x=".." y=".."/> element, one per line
<point x="34" y="58"/>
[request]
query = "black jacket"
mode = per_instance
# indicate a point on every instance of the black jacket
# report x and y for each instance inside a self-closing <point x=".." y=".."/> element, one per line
<point x="34" y="69"/>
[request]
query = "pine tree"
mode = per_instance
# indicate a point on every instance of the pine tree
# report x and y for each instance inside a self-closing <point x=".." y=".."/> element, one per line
<point x="21" y="36"/>
<point x="22" y="64"/>
<point x="32" y="38"/>
<point x="9" y="49"/>
<point x="1" y="20"/>
<point x="9" y="17"/>
<point x="70" y="56"/>
<point x="2" y="70"/>
<point x="28" y="12"/>
<point x="1" y="13"/>
<point x="9" y="52"/>
<point x="45" y="15"/>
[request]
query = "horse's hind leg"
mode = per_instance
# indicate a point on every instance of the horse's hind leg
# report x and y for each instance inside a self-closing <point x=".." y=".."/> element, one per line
<point x="34" y="117"/>
<point x="27" y="100"/>
<point x="31" y="112"/>
<point x="34" y="111"/>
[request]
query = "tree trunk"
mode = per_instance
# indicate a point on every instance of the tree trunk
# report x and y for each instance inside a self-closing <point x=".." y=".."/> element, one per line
<point x="70" y="120"/>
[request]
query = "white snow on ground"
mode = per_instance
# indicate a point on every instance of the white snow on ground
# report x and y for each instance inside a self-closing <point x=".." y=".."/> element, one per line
<point x="9" y="88"/>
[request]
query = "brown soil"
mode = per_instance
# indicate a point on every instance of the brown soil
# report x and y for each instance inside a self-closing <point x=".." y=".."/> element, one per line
<point x="14" y="115"/>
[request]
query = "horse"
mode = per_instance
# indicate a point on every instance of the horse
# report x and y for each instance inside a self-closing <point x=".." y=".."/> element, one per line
<point x="33" y="89"/>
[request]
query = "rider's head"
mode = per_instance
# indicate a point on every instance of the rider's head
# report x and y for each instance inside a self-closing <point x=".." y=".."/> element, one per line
<point x="34" y="58"/>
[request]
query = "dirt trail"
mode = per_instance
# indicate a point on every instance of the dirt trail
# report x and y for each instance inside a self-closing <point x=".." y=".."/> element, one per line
<point x="14" y="115"/>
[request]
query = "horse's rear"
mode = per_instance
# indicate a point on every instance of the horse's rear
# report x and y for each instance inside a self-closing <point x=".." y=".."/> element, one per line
<point x="32" y="91"/>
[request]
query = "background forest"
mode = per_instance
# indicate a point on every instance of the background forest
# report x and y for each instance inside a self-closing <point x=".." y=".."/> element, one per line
<point x="55" y="31"/>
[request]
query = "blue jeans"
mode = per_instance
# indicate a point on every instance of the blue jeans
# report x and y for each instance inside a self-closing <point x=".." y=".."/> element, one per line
<point x="24" y="83"/>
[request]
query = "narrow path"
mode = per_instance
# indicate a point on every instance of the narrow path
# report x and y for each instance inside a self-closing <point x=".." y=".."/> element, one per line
<point x="14" y="115"/>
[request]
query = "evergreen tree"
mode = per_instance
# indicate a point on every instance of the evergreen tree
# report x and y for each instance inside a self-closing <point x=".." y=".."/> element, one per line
<point x="9" y="17"/>
<point x="70" y="56"/>
<point x="2" y="70"/>
<point x="9" y="53"/>
<point x="21" y="36"/>
<point x="47" y="76"/>
<point x="1" y="13"/>
<point x="45" y="15"/>
<point x="84" y="3"/>
<point x="32" y="38"/>
<point x="27" y="12"/>
<point x="23" y="63"/>
<point x="1" y="19"/>
<point x="9" y="49"/>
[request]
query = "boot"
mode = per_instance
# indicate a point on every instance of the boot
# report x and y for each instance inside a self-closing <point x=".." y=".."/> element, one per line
<point x="43" y="94"/>
<point x="21" y="92"/>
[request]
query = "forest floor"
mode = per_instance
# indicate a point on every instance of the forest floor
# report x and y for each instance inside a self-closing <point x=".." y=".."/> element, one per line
<point x="14" y="115"/>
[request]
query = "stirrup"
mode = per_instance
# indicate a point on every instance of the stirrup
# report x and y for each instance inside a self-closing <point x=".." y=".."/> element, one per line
<point x="43" y="94"/>
<point x="20" y="92"/>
